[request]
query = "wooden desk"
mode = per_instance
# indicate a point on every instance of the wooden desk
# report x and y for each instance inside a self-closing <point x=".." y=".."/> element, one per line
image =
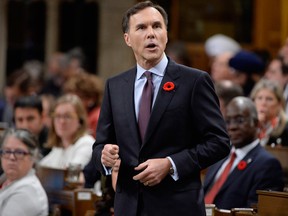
<point x="62" y="196"/>
<point x="272" y="203"/>
<point x="281" y="153"/>
<point x="73" y="202"/>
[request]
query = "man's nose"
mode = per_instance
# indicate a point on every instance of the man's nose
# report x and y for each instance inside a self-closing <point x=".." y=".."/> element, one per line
<point x="25" y="125"/>
<point x="151" y="32"/>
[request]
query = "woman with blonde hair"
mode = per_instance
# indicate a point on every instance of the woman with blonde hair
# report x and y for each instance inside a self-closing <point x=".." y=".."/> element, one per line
<point x="273" y="126"/>
<point x="68" y="137"/>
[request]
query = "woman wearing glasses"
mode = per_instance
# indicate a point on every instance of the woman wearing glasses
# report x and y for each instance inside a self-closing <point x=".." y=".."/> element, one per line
<point x="68" y="136"/>
<point x="21" y="192"/>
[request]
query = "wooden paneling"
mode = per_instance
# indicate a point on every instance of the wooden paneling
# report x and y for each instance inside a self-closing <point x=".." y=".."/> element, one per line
<point x="267" y="25"/>
<point x="271" y="203"/>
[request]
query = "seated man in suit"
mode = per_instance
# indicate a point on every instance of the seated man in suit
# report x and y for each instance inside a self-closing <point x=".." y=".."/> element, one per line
<point x="28" y="114"/>
<point x="232" y="182"/>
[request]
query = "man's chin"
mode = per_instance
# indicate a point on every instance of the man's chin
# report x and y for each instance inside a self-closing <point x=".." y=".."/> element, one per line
<point x="235" y="141"/>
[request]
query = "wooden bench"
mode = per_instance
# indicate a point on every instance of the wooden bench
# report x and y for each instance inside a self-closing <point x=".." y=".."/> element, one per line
<point x="281" y="153"/>
<point x="272" y="203"/>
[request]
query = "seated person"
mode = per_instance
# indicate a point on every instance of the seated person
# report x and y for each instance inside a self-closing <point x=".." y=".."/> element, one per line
<point x="28" y="114"/>
<point x="68" y="136"/>
<point x="21" y="192"/>
<point x="90" y="94"/>
<point x="233" y="181"/>
<point x="226" y="90"/>
<point x="18" y="84"/>
<point x="273" y="126"/>
<point x="277" y="71"/>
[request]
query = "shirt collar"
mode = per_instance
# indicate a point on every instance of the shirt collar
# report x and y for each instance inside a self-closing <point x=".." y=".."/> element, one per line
<point x="241" y="152"/>
<point x="158" y="69"/>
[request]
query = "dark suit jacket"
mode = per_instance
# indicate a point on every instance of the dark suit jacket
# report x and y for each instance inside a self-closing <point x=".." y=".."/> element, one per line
<point x="263" y="172"/>
<point x="185" y="124"/>
<point x="283" y="137"/>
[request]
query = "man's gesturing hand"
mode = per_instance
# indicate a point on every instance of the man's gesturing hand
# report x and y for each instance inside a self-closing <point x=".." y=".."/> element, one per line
<point x="152" y="171"/>
<point x="110" y="154"/>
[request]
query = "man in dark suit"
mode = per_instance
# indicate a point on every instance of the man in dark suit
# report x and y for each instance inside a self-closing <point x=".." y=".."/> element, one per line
<point x="28" y="114"/>
<point x="159" y="172"/>
<point x="253" y="168"/>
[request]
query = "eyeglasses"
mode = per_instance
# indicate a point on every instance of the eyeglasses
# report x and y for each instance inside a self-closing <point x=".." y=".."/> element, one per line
<point x="18" y="154"/>
<point x="66" y="117"/>
<point x="237" y="120"/>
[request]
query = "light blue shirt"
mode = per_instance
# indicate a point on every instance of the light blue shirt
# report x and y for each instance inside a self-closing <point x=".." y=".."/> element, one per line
<point x="157" y="75"/>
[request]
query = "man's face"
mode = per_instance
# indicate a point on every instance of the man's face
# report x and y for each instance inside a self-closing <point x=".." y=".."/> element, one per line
<point x="274" y="72"/>
<point x="220" y="69"/>
<point x="29" y="119"/>
<point x="147" y="36"/>
<point x="241" y="128"/>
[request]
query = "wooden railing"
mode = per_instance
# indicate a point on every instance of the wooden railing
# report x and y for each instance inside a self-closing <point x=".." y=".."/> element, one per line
<point x="64" y="198"/>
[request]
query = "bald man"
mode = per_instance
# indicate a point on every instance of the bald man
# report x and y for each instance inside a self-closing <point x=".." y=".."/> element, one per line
<point x="253" y="168"/>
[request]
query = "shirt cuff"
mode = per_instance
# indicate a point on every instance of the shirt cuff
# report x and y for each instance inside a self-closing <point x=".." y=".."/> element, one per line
<point x="175" y="175"/>
<point x="108" y="171"/>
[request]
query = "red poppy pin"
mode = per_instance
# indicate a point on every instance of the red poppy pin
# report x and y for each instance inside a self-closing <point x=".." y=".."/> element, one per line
<point x="168" y="86"/>
<point x="243" y="164"/>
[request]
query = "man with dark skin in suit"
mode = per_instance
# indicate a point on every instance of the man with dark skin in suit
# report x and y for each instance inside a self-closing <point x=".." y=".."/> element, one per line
<point x="253" y="168"/>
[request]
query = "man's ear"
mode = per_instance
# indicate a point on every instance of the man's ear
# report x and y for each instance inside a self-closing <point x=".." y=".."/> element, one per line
<point x="127" y="39"/>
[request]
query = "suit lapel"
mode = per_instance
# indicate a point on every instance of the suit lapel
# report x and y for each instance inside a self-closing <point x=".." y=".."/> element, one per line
<point x="163" y="98"/>
<point x="128" y="96"/>
<point x="236" y="172"/>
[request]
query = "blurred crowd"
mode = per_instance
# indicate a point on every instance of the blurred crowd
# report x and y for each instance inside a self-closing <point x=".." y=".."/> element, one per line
<point x="59" y="101"/>
<point x="255" y="74"/>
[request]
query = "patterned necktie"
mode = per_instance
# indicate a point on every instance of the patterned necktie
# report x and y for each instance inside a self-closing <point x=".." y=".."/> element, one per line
<point x="145" y="104"/>
<point x="209" y="197"/>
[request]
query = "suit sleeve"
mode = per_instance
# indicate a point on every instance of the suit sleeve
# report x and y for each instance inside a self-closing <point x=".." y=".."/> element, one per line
<point x="213" y="142"/>
<point x="105" y="130"/>
<point x="268" y="177"/>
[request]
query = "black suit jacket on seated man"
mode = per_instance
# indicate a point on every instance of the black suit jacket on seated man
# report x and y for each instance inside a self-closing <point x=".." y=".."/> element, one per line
<point x="185" y="125"/>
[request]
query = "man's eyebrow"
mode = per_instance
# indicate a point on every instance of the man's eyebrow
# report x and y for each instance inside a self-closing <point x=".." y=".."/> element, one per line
<point x="139" y="25"/>
<point x="157" y="23"/>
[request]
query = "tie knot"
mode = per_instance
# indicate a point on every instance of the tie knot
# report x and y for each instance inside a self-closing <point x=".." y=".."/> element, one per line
<point x="148" y="75"/>
<point x="233" y="155"/>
